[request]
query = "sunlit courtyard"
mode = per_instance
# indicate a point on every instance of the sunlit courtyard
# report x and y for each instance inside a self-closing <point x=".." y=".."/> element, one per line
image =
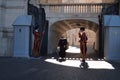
<point x="76" y="61"/>
<point x="72" y="49"/>
<point x="100" y="64"/>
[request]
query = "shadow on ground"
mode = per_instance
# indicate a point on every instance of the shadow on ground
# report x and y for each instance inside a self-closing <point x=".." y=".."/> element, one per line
<point x="40" y="69"/>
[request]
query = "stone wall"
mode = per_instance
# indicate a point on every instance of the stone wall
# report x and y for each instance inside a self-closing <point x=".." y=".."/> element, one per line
<point x="9" y="10"/>
<point x="75" y="1"/>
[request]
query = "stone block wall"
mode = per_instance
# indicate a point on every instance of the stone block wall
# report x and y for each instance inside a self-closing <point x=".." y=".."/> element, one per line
<point x="9" y="11"/>
<point x="75" y="1"/>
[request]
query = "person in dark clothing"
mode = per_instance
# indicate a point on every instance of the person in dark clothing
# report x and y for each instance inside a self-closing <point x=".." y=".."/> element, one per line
<point x="63" y="44"/>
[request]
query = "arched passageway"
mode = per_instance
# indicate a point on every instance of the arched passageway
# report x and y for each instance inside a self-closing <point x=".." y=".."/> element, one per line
<point x="59" y="28"/>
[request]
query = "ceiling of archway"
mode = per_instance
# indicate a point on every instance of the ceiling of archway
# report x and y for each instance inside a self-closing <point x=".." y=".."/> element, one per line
<point x="65" y="25"/>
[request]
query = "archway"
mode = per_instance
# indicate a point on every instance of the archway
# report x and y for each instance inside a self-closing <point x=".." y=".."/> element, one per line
<point x="60" y="27"/>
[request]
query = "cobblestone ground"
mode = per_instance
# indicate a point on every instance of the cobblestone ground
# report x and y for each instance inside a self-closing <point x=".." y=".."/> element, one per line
<point x="50" y="68"/>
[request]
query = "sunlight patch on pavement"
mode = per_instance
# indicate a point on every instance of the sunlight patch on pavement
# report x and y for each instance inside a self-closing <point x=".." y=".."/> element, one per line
<point x="72" y="49"/>
<point x="100" y="65"/>
<point x="77" y="63"/>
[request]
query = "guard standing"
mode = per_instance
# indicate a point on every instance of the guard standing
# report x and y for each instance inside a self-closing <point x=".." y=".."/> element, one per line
<point x="37" y="43"/>
<point x="83" y="43"/>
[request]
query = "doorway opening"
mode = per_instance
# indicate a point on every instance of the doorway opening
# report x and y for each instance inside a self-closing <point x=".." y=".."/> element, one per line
<point x="57" y="29"/>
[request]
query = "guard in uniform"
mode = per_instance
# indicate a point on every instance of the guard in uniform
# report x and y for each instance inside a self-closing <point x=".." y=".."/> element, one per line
<point x="83" y="43"/>
<point x="37" y="43"/>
